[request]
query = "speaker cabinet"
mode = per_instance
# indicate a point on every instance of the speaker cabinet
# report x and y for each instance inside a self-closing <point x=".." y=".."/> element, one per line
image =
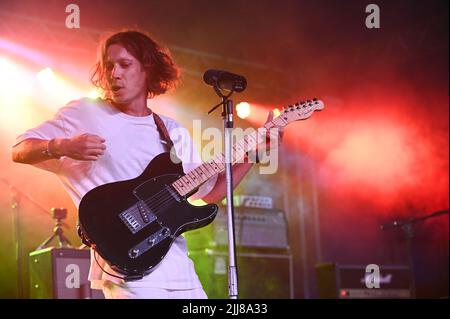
<point x="61" y="273"/>
<point x="349" y="282"/>
<point x="255" y="228"/>
<point x="260" y="275"/>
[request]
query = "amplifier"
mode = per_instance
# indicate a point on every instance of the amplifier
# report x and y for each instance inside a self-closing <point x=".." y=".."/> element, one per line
<point x="254" y="228"/>
<point x="260" y="275"/>
<point x="61" y="273"/>
<point x="349" y="281"/>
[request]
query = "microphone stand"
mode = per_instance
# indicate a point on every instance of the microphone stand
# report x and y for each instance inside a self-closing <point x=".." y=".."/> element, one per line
<point x="408" y="229"/>
<point x="17" y="241"/>
<point x="227" y="115"/>
<point x="16" y="196"/>
<point x="16" y="235"/>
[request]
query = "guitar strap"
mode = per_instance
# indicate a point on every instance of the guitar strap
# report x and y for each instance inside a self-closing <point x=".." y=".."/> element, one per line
<point x="163" y="131"/>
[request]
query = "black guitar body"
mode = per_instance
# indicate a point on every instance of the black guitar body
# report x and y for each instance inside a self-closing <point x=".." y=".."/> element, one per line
<point x="133" y="223"/>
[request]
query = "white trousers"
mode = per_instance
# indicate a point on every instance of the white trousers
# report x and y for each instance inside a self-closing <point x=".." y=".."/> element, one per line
<point x="115" y="291"/>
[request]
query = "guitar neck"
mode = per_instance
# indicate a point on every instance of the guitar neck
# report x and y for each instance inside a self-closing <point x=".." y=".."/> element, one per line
<point x="216" y="165"/>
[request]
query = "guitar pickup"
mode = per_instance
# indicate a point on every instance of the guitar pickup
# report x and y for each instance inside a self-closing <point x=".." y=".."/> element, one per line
<point x="137" y="217"/>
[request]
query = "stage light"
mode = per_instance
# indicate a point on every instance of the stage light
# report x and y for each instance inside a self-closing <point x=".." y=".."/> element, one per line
<point x="59" y="90"/>
<point x="11" y="78"/>
<point x="16" y="84"/>
<point x="46" y="76"/>
<point x="94" y="94"/>
<point x="14" y="79"/>
<point x="243" y="110"/>
<point x="23" y="52"/>
<point x="6" y="69"/>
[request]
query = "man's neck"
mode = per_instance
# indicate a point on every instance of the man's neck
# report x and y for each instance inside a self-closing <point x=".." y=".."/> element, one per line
<point x="136" y="108"/>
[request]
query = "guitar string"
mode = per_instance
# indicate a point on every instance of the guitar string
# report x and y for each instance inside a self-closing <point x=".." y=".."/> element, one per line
<point x="163" y="200"/>
<point x="159" y="202"/>
<point x="159" y="199"/>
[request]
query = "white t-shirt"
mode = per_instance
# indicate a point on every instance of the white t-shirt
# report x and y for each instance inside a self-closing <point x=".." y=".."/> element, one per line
<point x="131" y="143"/>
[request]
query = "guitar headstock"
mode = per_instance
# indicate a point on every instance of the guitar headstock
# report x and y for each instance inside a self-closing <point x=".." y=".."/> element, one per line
<point x="299" y="111"/>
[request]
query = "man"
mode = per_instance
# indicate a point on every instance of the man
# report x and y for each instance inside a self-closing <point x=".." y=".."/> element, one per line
<point x="93" y="142"/>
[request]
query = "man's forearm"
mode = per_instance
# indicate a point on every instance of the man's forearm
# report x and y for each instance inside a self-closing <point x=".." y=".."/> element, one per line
<point x="219" y="191"/>
<point x="32" y="151"/>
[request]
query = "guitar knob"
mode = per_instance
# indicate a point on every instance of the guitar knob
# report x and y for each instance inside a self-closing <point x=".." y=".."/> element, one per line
<point x="134" y="253"/>
<point x="165" y="231"/>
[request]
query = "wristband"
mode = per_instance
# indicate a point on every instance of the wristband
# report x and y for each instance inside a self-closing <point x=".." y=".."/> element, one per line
<point x="48" y="153"/>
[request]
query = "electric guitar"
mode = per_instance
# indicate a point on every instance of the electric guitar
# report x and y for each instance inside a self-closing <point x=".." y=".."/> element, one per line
<point x="133" y="223"/>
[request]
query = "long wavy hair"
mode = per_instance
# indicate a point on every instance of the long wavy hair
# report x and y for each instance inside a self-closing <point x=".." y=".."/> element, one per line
<point x="162" y="73"/>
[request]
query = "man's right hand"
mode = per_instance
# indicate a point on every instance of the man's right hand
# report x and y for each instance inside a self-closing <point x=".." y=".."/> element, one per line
<point x="84" y="147"/>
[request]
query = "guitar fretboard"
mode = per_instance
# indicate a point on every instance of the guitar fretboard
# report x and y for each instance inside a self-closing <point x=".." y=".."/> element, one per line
<point x="216" y="165"/>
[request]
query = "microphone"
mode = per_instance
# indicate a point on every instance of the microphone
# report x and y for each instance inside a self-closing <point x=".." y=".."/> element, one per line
<point x="398" y="223"/>
<point x="393" y="224"/>
<point x="225" y="80"/>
